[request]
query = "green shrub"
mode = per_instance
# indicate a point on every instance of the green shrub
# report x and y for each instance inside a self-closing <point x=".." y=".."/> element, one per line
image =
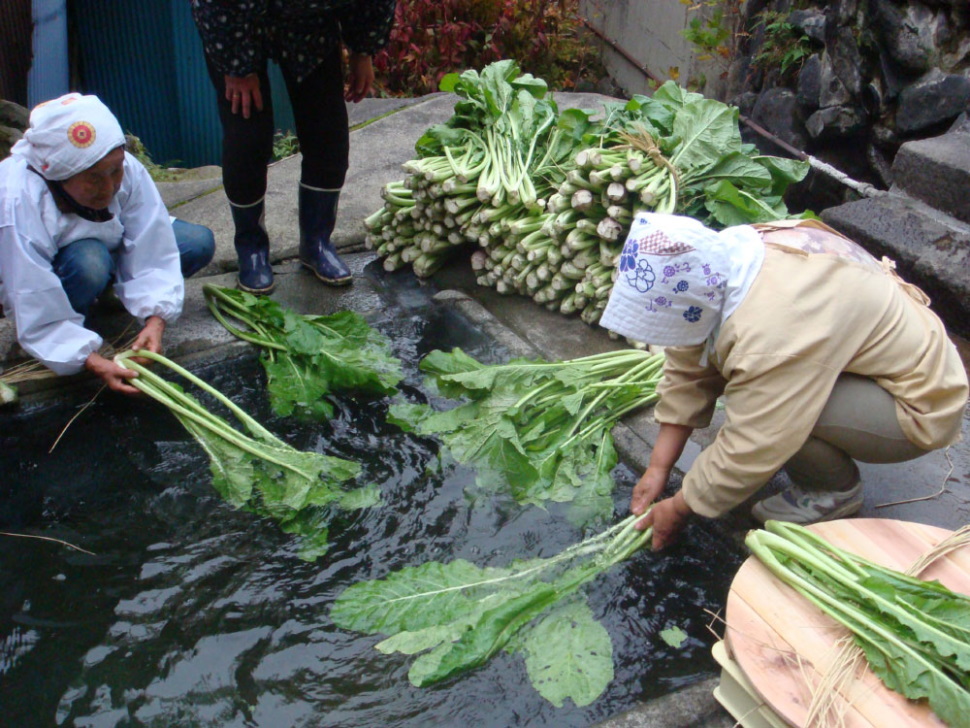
<point x="785" y="48"/>
<point x="285" y="144"/>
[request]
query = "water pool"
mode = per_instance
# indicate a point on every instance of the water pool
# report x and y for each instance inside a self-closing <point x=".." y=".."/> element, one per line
<point x="189" y="613"/>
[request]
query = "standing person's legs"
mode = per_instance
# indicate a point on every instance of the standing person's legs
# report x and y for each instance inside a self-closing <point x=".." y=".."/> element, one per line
<point x="857" y="423"/>
<point x="320" y="113"/>
<point x="322" y="126"/>
<point x="85" y="268"/>
<point x="247" y="146"/>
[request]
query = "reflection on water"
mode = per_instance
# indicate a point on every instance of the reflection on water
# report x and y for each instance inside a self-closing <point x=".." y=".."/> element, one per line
<point x="188" y="613"/>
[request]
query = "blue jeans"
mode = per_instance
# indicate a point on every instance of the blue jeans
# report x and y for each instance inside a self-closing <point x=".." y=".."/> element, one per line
<point x="86" y="266"/>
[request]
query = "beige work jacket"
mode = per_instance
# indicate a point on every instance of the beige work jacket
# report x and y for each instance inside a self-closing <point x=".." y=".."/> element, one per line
<point x="806" y="319"/>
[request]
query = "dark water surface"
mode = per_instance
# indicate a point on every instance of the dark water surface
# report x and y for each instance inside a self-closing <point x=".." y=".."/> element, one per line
<point x="192" y="614"/>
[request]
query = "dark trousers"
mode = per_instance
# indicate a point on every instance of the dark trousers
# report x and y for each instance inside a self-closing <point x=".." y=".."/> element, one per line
<point x="320" y="114"/>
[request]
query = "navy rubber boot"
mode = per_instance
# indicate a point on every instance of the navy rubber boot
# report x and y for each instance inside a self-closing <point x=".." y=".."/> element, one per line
<point x="252" y="249"/>
<point x="318" y="216"/>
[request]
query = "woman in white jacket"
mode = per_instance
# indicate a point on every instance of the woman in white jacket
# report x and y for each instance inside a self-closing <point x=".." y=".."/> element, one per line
<point x="78" y="213"/>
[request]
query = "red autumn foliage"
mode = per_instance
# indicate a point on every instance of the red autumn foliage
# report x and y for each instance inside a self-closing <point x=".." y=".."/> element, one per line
<point x="432" y="38"/>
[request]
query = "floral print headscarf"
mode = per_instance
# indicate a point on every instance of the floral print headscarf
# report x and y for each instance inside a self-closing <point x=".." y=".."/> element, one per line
<point x="679" y="280"/>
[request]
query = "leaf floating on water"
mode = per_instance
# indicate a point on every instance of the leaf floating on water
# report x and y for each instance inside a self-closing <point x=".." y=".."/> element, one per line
<point x="456" y="616"/>
<point x="673" y="636"/>
<point x="568" y="654"/>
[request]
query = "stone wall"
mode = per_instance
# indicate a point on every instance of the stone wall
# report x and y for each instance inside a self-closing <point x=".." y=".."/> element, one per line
<point x="14" y="120"/>
<point x="877" y="89"/>
<point x="863" y="76"/>
<point x="875" y="74"/>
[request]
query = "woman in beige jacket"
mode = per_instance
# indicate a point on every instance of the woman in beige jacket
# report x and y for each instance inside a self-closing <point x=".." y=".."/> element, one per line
<point x="822" y="354"/>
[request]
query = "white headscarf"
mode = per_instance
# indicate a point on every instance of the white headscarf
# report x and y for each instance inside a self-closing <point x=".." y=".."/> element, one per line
<point x="68" y="135"/>
<point x="679" y="280"/>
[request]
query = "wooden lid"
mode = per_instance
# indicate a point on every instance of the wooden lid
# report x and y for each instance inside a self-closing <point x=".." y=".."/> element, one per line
<point x="784" y="644"/>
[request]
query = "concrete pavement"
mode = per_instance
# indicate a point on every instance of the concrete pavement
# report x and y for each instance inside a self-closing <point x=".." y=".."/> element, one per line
<point x="383" y="141"/>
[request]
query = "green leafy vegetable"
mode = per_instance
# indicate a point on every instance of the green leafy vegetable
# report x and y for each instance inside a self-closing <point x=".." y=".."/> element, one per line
<point x="915" y="634"/>
<point x="258" y="471"/>
<point x="506" y="117"/>
<point x="538" y="430"/>
<point x="547" y="197"/>
<point x="307" y="357"/>
<point x="568" y="654"/>
<point x="458" y="615"/>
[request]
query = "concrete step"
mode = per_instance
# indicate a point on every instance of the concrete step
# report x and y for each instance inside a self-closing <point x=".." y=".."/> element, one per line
<point x="931" y="248"/>
<point x="937" y="171"/>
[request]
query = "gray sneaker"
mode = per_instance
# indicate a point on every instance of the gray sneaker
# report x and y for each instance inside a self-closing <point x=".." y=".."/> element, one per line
<point x="795" y="505"/>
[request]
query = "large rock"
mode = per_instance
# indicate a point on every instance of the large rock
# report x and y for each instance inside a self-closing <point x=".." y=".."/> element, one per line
<point x="8" y="137"/>
<point x="777" y="111"/>
<point x="832" y="90"/>
<point x="811" y="22"/>
<point x="835" y="122"/>
<point x="14" y="120"/>
<point x="847" y="12"/>
<point x="908" y="32"/>
<point x="936" y="99"/>
<point x="14" y="115"/>
<point x="847" y="62"/>
<point x="808" y="90"/>
<point x="930" y="250"/>
<point x="937" y="171"/>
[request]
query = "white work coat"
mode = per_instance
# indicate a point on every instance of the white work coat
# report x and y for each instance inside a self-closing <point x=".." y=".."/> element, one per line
<point x="148" y="279"/>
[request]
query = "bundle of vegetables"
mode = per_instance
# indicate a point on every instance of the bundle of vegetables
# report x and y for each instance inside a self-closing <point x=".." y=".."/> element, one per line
<point x="915" y="634"/>
<point x="486" y="165"/>
<point x="258" y="471"/>
<point x="461" y="615"/>
<point x="674" y="152"/>
<point x="307" y="357"/>
<point x="537" y="430"/>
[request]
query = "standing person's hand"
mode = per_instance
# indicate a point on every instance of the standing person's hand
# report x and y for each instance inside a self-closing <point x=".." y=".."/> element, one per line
<point x="243" y="93"/>
<point x="360" y="78"/>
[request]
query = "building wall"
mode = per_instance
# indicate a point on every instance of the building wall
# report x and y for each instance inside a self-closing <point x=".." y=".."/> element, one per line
<point x="651" y="31"/>
<point x="144" y="59"/>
